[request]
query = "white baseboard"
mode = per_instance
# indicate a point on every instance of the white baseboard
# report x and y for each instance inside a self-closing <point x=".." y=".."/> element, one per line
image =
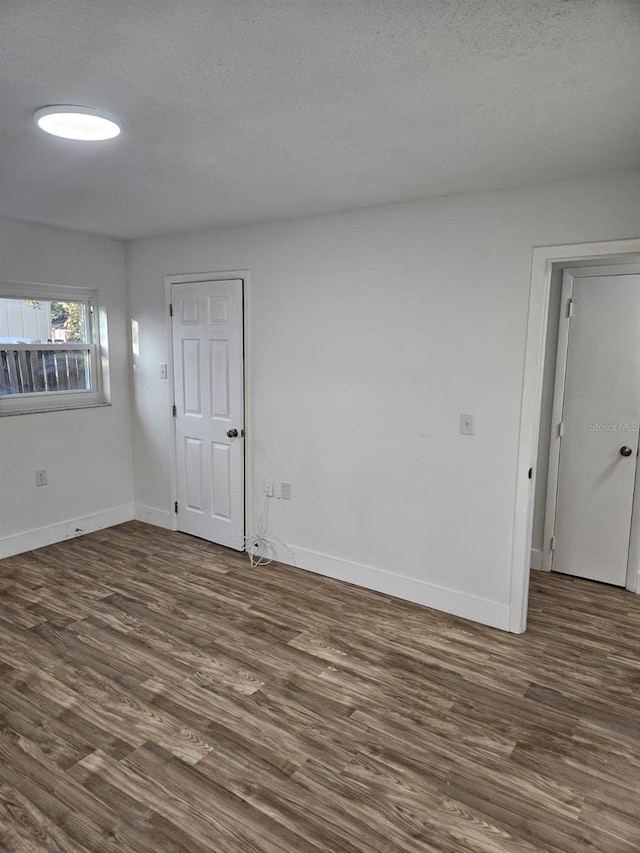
<point x="31" y="539"/>
<point x="472" y="607"/>
<point x="536" y="560"/>
<point x="153" y="515"/>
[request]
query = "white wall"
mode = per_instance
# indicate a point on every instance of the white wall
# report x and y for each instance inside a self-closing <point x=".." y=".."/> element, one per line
<point x="372" y="331"/>
<point x="87" y="453"/>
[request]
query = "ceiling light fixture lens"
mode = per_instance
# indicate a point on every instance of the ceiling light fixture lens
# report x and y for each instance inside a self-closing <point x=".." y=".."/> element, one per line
<point x="81" y="123"/>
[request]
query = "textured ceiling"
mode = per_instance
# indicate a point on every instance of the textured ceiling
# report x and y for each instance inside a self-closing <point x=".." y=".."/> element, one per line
<point x="247" y="110"/>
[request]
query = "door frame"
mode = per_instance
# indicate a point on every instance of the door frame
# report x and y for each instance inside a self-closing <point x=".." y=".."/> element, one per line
<point x="543" y="261"/>
<point x="223" y="275"/>
<point x="559" y="391"/>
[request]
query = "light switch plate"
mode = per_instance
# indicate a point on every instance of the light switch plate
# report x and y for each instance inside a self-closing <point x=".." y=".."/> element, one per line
<point x="466" y="424"/>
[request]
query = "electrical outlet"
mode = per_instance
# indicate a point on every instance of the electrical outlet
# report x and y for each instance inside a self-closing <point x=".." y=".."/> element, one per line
<point x="41" y="477"/>
<point x="285" y="491"/>
<point x="268" y="488"/>
<point x="466" y="424"/>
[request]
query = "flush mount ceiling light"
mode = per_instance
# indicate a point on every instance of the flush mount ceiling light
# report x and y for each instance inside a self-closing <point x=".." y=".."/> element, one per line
<point x="81" y="123"/>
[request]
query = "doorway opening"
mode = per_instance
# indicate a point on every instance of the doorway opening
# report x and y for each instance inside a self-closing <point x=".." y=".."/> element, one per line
<point x="590" y="416"/>
<point x="548" y="265"/>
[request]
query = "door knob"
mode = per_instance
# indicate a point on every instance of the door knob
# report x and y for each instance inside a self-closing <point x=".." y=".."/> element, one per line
<point x="625" y="451"/>
<point x="233" y="433"/>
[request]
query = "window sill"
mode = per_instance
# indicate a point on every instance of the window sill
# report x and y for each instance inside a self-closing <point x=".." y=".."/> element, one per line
<point x="51" y="409"/>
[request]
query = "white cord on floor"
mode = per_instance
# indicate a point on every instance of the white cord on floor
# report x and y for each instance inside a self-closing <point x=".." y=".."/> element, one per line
<point x="262" y="549"/>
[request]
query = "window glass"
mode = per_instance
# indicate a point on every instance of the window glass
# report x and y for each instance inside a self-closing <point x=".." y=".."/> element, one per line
<point x="35" y="356"/>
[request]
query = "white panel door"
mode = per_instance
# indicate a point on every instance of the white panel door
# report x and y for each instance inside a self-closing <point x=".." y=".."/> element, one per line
<point x="209" y="415"/>
<point x="599" y="437"/>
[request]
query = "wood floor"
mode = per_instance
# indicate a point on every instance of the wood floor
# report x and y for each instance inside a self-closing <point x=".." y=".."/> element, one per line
<point x="159" y="694"/>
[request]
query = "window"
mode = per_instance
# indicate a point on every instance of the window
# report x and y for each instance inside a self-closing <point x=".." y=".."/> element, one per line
<point x="49" y="346"/>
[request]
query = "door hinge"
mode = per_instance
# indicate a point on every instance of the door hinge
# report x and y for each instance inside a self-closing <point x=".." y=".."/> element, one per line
<point x="569" y="307"/>
<point x="560" y="429"/>
<point x="552" y="543"/>
<point x="170" y="310"/>
<point x="175" y="506"/>
<point x="174" y="411"/>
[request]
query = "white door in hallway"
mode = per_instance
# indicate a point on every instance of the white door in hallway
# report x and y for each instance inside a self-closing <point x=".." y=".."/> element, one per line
<point x="207" y="329"/>
<point x="599" y="426"/>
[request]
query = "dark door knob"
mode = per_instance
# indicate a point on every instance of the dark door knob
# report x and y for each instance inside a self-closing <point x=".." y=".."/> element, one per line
<point x="233" y="433"/>
<point x="625" y="451"/>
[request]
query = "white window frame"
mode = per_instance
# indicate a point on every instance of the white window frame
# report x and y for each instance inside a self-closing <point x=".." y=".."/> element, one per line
<point x="50" y="401"/>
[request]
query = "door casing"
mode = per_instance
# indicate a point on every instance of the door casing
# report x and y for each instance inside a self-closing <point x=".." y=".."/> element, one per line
<point x="223" y="275"/>
<point x="544" y="260"/>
